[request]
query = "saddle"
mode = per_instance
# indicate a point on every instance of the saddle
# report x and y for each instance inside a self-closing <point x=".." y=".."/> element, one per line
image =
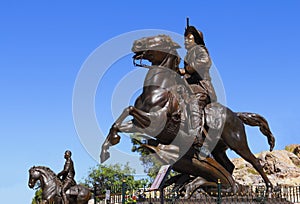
<point x="73" y="190"/>
<point x="215" y="115"/>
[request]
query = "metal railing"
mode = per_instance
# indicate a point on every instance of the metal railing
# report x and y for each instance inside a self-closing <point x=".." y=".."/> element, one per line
<point x="250" y="194"/>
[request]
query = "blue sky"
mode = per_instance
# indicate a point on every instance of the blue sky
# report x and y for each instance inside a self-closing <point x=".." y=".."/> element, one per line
<point x="43" y="46"/>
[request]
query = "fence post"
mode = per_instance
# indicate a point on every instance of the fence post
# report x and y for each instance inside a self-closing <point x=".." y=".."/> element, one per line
<point x="95" y="190"/>
<point x="219" y="192"/>
<point x="161" y="195"/>
<point x="123" y="191"/>
<point x="298" y="193"/>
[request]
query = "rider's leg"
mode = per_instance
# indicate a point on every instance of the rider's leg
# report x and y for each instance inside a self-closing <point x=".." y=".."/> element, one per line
<point x="196" y="107"/>
<point x="64" y="189"/>
<point x="196" y="114"/>
<point x="210" y="91"/>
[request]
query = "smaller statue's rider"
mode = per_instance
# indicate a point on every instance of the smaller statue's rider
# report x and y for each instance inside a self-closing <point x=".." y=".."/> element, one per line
<point x="67" y="174"/>
<point x="197" y="64"/>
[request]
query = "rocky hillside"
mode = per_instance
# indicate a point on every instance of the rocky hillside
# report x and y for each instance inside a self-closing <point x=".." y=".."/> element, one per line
<point x="281" y="166"/>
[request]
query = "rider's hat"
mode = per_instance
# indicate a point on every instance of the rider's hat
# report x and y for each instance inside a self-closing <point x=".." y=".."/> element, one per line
<point x="198" y="35"/>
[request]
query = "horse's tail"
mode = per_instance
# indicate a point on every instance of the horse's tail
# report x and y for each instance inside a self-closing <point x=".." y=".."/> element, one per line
<point x="254" y="119"/>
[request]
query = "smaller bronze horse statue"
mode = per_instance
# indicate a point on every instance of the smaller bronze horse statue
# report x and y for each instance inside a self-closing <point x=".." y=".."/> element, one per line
<point x="51" y="187"/>
<point x="158" y="112"/>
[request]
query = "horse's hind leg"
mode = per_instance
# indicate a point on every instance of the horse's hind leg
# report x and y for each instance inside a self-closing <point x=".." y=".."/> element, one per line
<point x="208" y="169"/>
<point x="236" y="140"/>
<point x="249" y="157"/>
<point x="198" y="182"/>
<point x="219" y="154"/>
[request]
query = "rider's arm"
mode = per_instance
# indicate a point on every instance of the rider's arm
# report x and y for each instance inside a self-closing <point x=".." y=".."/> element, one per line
<point x="202" y="59"/>
<point x="65" y="170"/>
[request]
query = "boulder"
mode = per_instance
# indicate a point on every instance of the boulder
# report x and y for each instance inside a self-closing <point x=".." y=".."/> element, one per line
<point x="281" y="166"/>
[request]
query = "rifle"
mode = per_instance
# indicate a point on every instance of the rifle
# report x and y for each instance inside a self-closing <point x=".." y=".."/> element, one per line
<point x="187" y="22"/>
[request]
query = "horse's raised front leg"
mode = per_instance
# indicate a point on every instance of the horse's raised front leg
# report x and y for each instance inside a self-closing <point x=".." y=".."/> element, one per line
<point x="140" y="117"/>
<point x="112" y="137"/>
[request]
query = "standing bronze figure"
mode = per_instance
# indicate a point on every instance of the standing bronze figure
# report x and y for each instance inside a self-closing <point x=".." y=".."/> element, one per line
<point x="158" y="112"/>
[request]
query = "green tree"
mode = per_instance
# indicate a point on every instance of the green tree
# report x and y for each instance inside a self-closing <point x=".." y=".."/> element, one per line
<point x="151" y="163"/>
<point x="112" y="176"/>
<point x="37" y="197"/>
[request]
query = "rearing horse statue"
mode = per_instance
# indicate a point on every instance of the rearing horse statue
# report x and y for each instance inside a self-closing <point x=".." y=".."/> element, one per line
<point x="158" y="112"/>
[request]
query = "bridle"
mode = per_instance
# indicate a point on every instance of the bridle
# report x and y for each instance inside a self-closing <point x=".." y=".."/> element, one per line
<point x="141" y="58"/>
<point x="140" y="64"/>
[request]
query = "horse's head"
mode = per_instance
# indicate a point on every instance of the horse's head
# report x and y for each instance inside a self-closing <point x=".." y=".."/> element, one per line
<point x="155" y="49"/>
<point x="42" y="174"/>
<point x="34" y="176"/>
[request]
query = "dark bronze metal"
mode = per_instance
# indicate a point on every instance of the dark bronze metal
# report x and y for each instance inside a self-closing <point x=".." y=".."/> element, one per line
<point x="160" y="104"/>
<point x="187" y="22"/>
<point x="55" y="189"/>
<point x="67" y="175"/>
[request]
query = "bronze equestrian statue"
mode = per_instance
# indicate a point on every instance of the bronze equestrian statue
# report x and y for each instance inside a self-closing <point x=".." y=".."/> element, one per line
<point x="56" y="190"/>
<point x="158" y="112"/>
<point x="67" y="174"/>
<point x="51" y="187"/>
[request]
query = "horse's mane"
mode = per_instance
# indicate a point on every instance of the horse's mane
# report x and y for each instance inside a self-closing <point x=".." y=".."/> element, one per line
<point x="48" y="170"/>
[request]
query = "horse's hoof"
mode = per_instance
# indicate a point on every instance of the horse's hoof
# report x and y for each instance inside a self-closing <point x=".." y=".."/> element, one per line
<point x="272" y="145"/>
<point x="187" y="194"/>
<point x="236" y="188"/>
<point x="104" y="156"/>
